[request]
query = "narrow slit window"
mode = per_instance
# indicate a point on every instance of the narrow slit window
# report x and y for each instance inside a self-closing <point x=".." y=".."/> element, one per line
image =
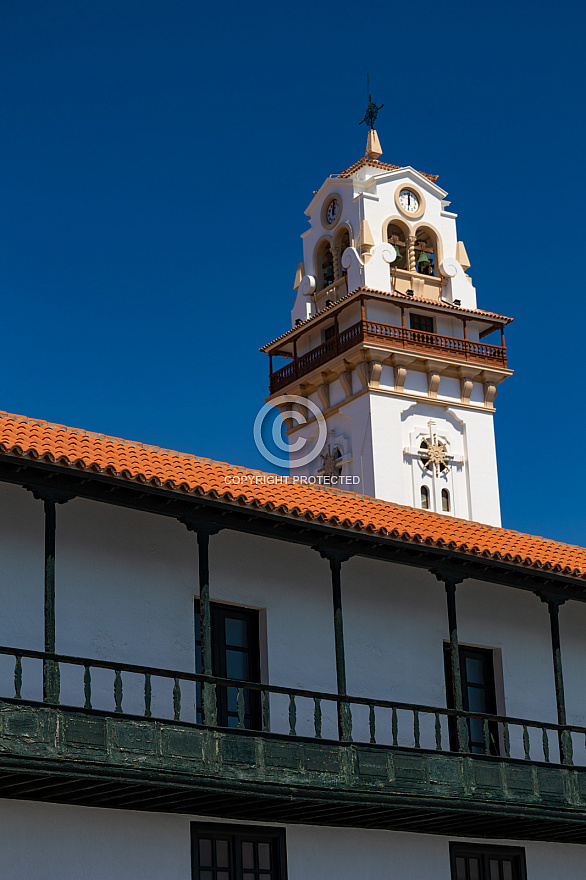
<point x="445" y="501"/>
<point x="425" y="497"/>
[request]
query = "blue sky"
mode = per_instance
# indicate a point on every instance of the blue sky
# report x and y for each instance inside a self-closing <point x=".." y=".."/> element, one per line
<point x="156" y="157"/>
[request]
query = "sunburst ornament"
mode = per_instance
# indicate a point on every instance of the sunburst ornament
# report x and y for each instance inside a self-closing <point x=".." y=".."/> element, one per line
<point x="435" y="455"/>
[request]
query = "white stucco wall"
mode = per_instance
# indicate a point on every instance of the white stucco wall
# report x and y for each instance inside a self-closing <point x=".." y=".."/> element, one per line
<point x="58" y="842"/>
<point x="380" y="434"/>
<point x="125" y="588"/>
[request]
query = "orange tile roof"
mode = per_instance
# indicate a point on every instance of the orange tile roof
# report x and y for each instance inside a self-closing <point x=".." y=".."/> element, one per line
<point x="395" y="295"/>
<point x="127" y="460"/>
<point x="382" y="166"/>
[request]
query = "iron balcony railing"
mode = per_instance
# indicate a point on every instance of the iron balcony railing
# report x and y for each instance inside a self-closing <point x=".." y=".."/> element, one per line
<point x="395" y="337"/>
<point x="40" y="678"/>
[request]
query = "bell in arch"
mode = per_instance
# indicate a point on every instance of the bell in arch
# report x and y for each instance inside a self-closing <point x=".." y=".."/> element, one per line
<point x="423" y="260"/>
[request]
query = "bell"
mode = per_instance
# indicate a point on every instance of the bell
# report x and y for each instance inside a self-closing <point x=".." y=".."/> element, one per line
<point x="399" y="255"/>
<point x="423" y="259"/>
<point x="329" y="274"/>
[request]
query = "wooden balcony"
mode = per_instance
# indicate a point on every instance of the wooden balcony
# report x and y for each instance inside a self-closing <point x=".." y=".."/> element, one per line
<point x="118" y="735"/>
<point x="395" y="338"/>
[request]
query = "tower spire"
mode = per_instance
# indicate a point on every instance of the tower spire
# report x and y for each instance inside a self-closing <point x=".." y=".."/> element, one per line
<point x="373" y="147"/>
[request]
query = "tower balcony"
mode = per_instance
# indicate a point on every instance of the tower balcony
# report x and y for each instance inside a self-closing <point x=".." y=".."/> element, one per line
<point x="83" y="731"/>
<point x="396" y="339"/>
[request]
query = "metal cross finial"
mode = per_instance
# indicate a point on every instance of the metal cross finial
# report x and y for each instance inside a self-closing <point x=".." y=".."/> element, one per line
<point x="372" y="109"/>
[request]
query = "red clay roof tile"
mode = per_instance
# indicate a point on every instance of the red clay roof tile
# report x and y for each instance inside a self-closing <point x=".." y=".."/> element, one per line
<point x="22" y="437"/>
<point x="381" y="166"/>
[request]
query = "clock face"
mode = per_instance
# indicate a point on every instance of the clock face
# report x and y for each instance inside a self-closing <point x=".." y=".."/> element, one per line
<point x="408" y="201"/>
<point x="332" y="212"/>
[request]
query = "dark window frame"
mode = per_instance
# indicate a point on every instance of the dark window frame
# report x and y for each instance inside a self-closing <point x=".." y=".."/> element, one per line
<point x="219" y="612"/>
<point x="483" y="654"/>
<point x="486" y="852"/>
<point x="426" y="320"/>
<point x="237" y="834"/>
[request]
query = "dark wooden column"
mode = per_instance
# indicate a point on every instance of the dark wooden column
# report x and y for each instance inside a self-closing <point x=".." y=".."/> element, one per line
<point x="553" y="606"/>
<point x="50" y="499"/>
<point x="450" y="582"/>
<point x="336" y="558"/>
<point x="208" y="691"/>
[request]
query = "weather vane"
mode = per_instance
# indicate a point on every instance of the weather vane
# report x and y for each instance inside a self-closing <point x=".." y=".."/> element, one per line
<point x="372" y="109"/>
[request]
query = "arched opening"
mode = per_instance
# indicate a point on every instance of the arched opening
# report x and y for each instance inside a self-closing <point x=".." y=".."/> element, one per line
<point x="343" y="243"/>
<point x="445" y="501"/>
<point x="425" y="252"/>
<point x="324" y="266"/>
<point x="396" y="237"/>
<point x="425" y="498"/>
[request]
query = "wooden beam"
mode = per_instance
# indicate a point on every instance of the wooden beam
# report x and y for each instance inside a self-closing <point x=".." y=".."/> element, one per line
<point x="336" y="558"/>
<point x="50" y="496"/>
<point x="455" y="671"/>
<point x="553" y="606"/>
<point x="208" y="697"/>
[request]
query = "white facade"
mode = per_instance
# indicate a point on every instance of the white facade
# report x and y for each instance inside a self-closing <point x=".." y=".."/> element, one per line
<point x="126" y="587"/>
<point x="126" y="583"/>
<point x="71" y="843"/>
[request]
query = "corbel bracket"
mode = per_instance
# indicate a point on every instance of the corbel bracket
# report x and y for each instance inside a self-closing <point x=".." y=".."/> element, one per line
<point x="449" y="575"/>
<point x="201" y="526"/>
<point x="42" y="493"/>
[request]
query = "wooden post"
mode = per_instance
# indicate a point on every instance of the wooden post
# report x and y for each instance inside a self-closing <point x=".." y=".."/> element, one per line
<point x="403" y="325"/>
<point x="203" y="530"/>
<point x="336" y="558"/>
<point x="553" y="606"/>
<point x="50" y="499"/>
<point x="503" y="337"/>
<point x="50" y="669"/>
<point x="465" y="323"/>
<point x="208" y="696"/>
<point x="450" y="582"/>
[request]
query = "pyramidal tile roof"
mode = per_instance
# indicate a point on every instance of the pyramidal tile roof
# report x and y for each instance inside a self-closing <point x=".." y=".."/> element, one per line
<point x="380" y="166"/>
<point x="127" y="460"/>
<point x="394" y="296"/>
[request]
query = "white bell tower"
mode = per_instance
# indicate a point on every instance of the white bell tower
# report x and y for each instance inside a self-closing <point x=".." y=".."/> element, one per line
<point x="387" y="340"/>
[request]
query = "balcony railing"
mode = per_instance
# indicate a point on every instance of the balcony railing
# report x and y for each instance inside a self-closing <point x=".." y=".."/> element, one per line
<point x="396" y="338"/>
<point x="123" y="689"/>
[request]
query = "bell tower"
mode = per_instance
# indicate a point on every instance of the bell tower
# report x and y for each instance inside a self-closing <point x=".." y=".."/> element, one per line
<point x="388" y="342"/>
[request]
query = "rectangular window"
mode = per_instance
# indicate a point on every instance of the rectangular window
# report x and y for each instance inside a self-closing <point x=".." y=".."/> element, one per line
<point x="421" y="322"/>
<point x="232" y="852"/>
<point x="483" y="862"/>
<point x="478" y="695"/>
<point x="235" y="654"/>
<point x="329" y="333"/>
